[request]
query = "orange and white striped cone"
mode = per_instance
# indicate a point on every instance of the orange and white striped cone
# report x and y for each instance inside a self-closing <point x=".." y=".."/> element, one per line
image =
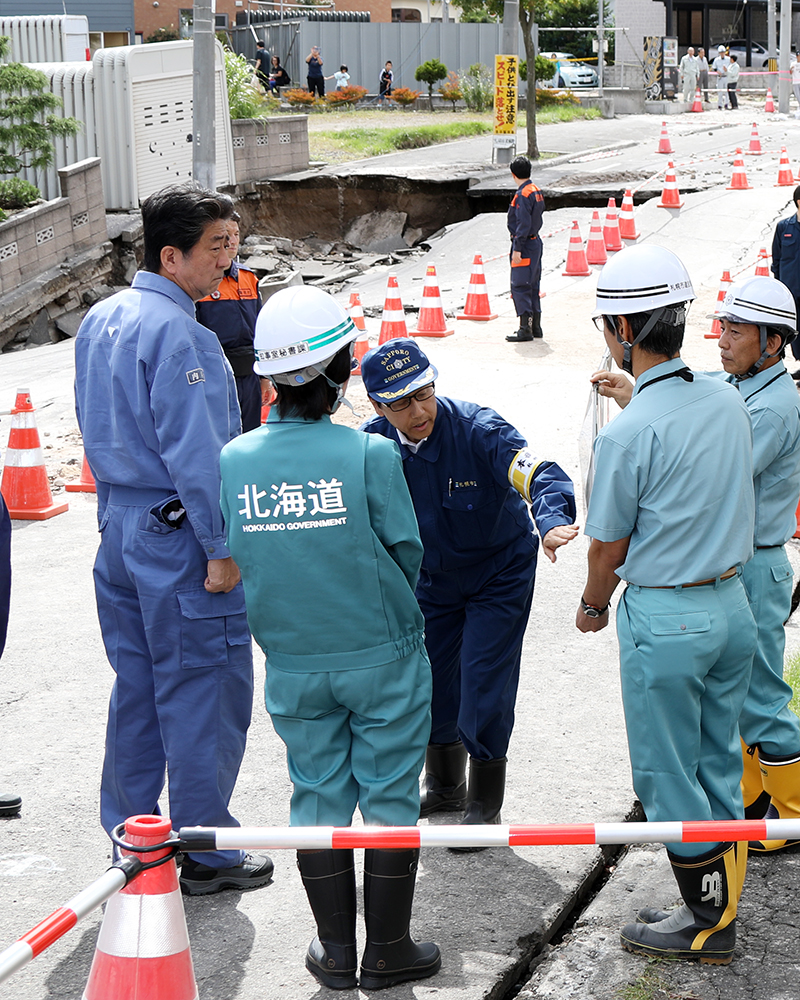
<point x="431" y="321"/>
<point x="785" y="175"/>
<point x="769" y="106"/>
<point x="698" y="102"/>
<point x="724" y="281"/>
<point x="25" y="487"/>
<point x="143" y="947"/>
<point x="762" y="264"/>
<point x="754" y="149"/>
<point x="393" y="321"/>
<point x="595" y="246"/>
<point x="611" y="235"/>
<point x="577" y="266"/>
<point x="86" y="483"/>
<point x="670" y="196"/>
<point x="361" y="348"/>
<point x="477" y="307"/>
<point x="739" y="177"/>
<point x="664" y="145"/>
<point x="356" y="312"/>
<point x="627" y="223"/>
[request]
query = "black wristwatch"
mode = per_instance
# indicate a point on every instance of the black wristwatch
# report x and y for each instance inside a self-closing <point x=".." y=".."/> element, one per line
<point x="591" y="611"/>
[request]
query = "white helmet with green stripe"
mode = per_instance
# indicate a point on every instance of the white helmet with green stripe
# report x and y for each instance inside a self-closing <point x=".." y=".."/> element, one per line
<point x="298" y="333"/>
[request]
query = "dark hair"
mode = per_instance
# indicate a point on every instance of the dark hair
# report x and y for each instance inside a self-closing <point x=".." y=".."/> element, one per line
<point x="177" y="216"/>
<point x="315" y="399"/>
<point x="521" y="167"/>
<point x="796" y="194"/>
<point x="343" y="69"/>
<point x="664" y="339"/>
<point x="733" y="56"/>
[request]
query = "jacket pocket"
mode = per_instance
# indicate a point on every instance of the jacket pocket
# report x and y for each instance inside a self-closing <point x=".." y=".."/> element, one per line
<point x="209" y="624"/>
<point x="695" y="621"/>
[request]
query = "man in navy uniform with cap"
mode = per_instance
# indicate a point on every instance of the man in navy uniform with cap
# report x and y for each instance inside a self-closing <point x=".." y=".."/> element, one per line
<point x="472" y="478"/>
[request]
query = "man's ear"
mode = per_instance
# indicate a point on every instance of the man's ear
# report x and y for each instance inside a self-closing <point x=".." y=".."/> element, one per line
<point x="774" y="344"/>
<point x="624" y="329"/>
<point x="169" y="259"/>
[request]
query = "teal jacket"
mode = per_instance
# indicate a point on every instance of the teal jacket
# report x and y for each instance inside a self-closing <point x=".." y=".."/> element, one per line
<point x="321" y="525"/>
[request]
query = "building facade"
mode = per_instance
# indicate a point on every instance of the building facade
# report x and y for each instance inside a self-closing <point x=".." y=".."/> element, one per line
<point x="111" y="22"/>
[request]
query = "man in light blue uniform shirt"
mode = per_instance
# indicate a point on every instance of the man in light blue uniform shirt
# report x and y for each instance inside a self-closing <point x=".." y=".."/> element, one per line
<point x="672" y="513"/>
<point x="156" y="401"/>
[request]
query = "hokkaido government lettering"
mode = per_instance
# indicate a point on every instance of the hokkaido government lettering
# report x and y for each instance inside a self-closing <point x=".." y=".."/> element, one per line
<point x="293" y="500"/>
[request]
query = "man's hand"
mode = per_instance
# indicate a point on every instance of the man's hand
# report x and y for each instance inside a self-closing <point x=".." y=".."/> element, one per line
<point x="223" y="575"/>
<point x="614" y="386"/>
<point x="556" y="537"/>
<point x="516" y="257"/>
<point x="586" y="624"/>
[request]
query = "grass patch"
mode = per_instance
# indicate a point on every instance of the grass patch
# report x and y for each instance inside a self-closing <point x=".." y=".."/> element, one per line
<point x="791" y="674"/>
<point x="363" y="143"/>
<point x="566" y="113"/>
<point x="647" y="986"/>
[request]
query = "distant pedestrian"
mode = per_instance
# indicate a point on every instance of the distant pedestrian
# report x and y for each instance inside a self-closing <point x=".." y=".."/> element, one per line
<point x="316" y="81"/>
<point x="262" y="64"/>
<point x="721" y="64"/>
<point x="702" y="72"/>
<point x="688" y="71"/>
<point x="278" y="77"/>
<point x="786" y="261"/>
<point x="733" y="82"/>
<point x="386" y="82"/>
<point x="341" y="76"/>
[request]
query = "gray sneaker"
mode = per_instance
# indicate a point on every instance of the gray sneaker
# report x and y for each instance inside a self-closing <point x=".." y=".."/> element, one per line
<point x="198" y="879"/>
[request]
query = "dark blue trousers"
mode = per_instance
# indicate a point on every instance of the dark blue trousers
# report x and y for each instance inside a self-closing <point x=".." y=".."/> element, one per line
<point x="5" y="571"/>
<point x="525" y="279"/>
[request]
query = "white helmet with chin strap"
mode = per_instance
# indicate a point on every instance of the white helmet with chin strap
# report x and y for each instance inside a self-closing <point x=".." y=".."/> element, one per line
<point x="763" y="302"/>
<point x="644" y="279"/>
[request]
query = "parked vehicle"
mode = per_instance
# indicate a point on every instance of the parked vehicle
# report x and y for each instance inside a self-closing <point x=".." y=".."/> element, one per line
<point x="738" y="47"/>
<point x="570" y="72"/>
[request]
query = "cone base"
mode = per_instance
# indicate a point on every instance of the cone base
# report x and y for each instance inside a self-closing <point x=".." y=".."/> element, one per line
<point x="80" y="488"/>
<point x="432" y="333"/>
<point x="711" y="336"/>
<point x="630" y="239"/>
<point x="614" y="247"/>
<point x="477" y="319"/>
<point x="37" y="513"/>
<point x="662" y="205"/>
<point x="739" y="187"/>
<point x="577" y="274"/>
<point x="784" y="184"/>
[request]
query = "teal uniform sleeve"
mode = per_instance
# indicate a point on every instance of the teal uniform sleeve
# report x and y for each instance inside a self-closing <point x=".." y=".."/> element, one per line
<point x="614" y="503"/>
<point x="769" y="439"/>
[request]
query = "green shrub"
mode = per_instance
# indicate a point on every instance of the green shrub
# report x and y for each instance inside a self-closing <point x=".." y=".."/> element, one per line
<point x="17" y="193"/>
<point x="549" y="98"/>
<point x="477" y="86"/>
<point x="244" y="100"/>
<point x="545" y="69"/>
<point x="163" y="35"/>
<point x="430" y="72"/>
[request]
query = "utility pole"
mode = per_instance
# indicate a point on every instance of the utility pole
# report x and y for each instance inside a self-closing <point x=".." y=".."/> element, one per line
<point x="509" y="46"/>
<point x="783" y="60"/>
<point x="601" y="59"/>
<point x="204" y="149"/>
<point x="772" y="18"/>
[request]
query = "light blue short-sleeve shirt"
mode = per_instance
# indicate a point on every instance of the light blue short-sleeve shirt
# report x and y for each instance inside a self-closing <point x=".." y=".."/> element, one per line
<point x="674" y="472"/>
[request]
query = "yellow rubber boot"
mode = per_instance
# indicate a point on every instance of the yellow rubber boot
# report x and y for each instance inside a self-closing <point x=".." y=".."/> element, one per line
<point x="780" y="777"/>
<point x="756" y="800"/>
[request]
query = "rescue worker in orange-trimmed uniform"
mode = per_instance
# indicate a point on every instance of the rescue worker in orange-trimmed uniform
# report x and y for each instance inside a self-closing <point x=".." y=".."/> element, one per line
<point x="525" y="216"/>
<point x="231" y="312"/>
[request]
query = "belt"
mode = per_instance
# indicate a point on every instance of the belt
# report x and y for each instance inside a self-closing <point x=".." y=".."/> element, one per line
<point x="700" y="583"/>
<point x="779" y="546"/>
<point x="132" y="496"/>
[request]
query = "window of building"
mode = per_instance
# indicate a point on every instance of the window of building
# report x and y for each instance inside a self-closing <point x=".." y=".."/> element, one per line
<point x="186" y="16"/>
<point x="405" y="14"/>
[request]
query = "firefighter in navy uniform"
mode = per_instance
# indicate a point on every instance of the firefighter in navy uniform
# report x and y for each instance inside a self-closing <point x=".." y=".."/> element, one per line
<point x="786" y="261"/>
<point x="472" y="479"/>
<point x="231" y="312"/>
<point x="524" y="222"/>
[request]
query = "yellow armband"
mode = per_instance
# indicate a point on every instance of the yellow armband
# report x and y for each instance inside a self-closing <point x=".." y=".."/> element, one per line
<point x="521" y="472"/>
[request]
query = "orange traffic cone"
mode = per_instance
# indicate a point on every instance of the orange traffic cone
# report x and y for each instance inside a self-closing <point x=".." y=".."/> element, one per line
<point x="670" y="196"/>
<point x="393" y="321"/>
<point x="595" y="246"/>
<point x="664" y="145"/>
<point x="754" y="149"/>
<point x="797" y="518"/>
<point x="25" y="486"/>
<point x="431" y="321"/>
<point x="356" y="312"/>
<point x="477" y="307"/>
<point x="770" y="104"/>
<point x="627" y="223"/>
<point x="762" y="265"/>
<point x="143" y="947"/>
<point x="576" y="255"/>
<point x="611" y="235"/>
<point x="361" y="348"/>
<point x="86" y="483"/>
<point x="698" y="101"/>
<point x="785" y="175"/>
<point x="739" y="177"/>
<point x="724" y="281"/>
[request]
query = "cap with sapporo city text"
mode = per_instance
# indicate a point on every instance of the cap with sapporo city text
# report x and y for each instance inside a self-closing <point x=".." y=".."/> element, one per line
<point x="395" y="369"/>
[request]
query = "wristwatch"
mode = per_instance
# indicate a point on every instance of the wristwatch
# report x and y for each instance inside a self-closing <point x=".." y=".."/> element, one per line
<point x="591" y="611"/>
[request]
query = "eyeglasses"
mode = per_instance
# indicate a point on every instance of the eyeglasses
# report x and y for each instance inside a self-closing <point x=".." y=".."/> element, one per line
<point x="600" y="323"/>
<point x="421" y="395"/>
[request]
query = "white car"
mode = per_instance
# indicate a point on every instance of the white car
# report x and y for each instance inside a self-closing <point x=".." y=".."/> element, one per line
<point x="569" y="72"/>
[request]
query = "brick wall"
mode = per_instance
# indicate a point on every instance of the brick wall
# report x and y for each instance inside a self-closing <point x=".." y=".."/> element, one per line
<point x="264" y="147"/>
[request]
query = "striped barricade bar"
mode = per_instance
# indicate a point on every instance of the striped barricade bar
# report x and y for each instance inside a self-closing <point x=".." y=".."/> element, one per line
<point x="386" y="837"/>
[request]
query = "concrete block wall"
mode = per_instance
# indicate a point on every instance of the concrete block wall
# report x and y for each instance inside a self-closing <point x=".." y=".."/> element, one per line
<point x="641" y="18"/>
<point x="46" y="235"/>
<point x="264" y="147"/>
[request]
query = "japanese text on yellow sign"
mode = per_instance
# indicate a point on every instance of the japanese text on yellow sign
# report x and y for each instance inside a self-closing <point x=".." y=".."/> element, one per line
<point x="506" y="77"/>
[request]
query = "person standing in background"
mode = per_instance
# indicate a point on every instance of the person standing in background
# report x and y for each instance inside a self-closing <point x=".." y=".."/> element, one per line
<point x="316" y="81"/>
<point x="688" y="71"/>
<point x="702" y="72"/>
<point x="733" y="82"/>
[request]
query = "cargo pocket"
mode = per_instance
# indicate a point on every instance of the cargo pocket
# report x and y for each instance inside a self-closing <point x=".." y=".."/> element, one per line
<point x="781" y="573"/>
<point x="695" y="621"/>
<point x="209" y="624"/>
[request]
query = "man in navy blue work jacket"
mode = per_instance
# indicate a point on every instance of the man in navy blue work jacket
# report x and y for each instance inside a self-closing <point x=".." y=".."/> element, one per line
<point x="156" y="401"/>
<point x="786" y="261"/>
<point x="471" y="478"/>
<point x="525" y="215"/>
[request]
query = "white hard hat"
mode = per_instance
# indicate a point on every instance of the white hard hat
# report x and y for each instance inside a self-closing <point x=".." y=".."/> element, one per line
<point x="720" y="48"/>
<point x="763" y="301"/>
<point x="298" y="331"/>
<point x="640" y="279"/>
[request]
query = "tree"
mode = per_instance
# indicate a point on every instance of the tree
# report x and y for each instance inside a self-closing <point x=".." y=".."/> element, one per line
<point x="431" y="72"/>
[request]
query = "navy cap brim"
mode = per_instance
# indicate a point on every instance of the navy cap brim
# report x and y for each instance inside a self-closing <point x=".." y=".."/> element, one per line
<point x="415" y="383"/>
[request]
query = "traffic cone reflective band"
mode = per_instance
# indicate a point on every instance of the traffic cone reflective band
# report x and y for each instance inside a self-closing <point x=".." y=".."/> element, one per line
<point x="25" y="487"/>
<point x="698" y="101"/>
<point x="356" y="312"/>
<point x="431" y="321"/>
<point x="86" y="483"/>
<point x="143" y="947"/>
<point x="785" y="175"/>
<point x="596" y="247"/>
<point x="770" y="104"/>
<point x="393" y="321"/>
<point x="627" y="224"/>
<point x="361" y="348"/>
<point x="754" y="149"/>
<point x="477" y="307"/>
<point x="670" y="196"/>
<point x="576" y="255"/>
<point x="739" y="177"/>
<point x="611" y="235"/>
<point x="724" y="281"/>
<point x="762" y="265"/>
<point x="664" y="145"/>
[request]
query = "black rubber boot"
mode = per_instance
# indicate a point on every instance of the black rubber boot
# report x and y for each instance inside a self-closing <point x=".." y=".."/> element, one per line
<point x="704" y="927"/>
<point x="391" y="956"/>
<point x="330" y="883"/>
<point x="10" y="804"/>
<point x="536" y="326"/>
<point x="487" y="785"/>
<point x="445" y="786"/>
<point x="524" y="333"/>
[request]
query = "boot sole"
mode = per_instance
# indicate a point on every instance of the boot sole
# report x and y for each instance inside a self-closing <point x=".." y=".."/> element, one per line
<point x="373" y="981"/>
<point x="705" y="958"/>
<point x="189" y="888"/>
<point x="348" y="982"/>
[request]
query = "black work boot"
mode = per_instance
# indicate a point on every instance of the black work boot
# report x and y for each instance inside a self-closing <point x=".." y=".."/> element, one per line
<point x="487" y="785"/>
<point x="524" y="333"/>
<point x="704" y="927"/>
<point x="536" y="325"/>
<point x="10" y="804"/>
<point x="330" y="883"/>
<point x="445" y="786"/>
<point x="391" y="956"/>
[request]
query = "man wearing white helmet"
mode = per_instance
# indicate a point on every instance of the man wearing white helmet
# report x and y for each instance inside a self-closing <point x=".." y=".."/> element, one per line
<point x="672" y="514"/>
<point x="348" y="682"/>
<point x="720" y="67"/>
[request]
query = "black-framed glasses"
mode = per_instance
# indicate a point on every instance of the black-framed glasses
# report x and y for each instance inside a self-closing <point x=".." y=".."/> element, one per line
<point x="421" y="395"/>
<point x="600" y="323"/>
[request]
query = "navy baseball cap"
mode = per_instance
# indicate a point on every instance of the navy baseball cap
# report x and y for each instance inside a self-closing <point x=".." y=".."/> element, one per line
<point x="395" y="369"/>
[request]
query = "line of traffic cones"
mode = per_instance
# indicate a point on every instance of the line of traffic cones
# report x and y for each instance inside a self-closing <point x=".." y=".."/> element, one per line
<point x="754" y="149"/>
<point x="477" y="307"/>
<point x="596" y="246"/>
<point x="431" y="322"/>
<point x="785" y="175"/>
<point x="577" y="265"/>
<point x="25" y="486"/>
<point x="724" y="281"/>
<point x="393" y="320"/>
<point x="86" y="483"/>
<point x="769" y="106"/>
<point x="739" y="177"/>
<point x="698" y="102"/>
<point x="670" y="195"/>
<point x="611" y="233"/>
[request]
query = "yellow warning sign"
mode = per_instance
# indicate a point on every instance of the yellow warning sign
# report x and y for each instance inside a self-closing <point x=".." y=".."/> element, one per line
<point x="506" y="81"/>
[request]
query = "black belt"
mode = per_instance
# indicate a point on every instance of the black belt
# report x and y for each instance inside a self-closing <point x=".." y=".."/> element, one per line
<point x="241" y="360"/>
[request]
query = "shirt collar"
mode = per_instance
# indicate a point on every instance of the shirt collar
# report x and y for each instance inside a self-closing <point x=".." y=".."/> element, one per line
<point x="413" y="446"/>
<point x="663" y="369"/>
<point x="158" y="283"/>
<point x="758" y="381"/>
